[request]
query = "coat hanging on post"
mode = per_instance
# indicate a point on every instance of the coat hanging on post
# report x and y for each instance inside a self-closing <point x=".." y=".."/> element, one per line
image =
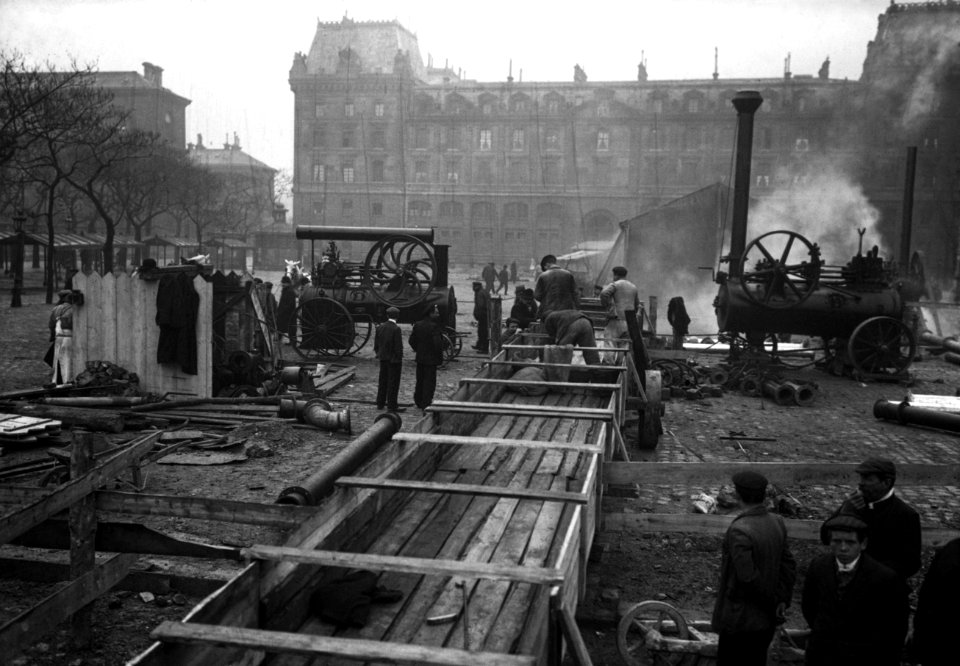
<point x="177" y="307"/>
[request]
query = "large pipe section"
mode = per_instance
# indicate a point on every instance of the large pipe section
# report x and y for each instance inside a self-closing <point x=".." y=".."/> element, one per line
<point x="372" y="234"/>
<point x="321" y="484"/>
<point x="950" y="344"/>
<point x="908" y="415"/>
<point x="746" y="102"/>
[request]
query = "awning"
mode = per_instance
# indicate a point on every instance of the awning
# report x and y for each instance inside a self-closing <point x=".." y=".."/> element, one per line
<point x="169" y="241"/>
<point x="60" y="241"/>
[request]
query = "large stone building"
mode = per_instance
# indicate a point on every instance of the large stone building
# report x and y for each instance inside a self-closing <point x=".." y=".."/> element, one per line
<point x="510" y="170"/>
<point x="152" y="107"/>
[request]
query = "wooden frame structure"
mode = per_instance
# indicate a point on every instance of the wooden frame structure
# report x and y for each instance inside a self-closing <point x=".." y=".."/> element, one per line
<point x="482" y="515"/>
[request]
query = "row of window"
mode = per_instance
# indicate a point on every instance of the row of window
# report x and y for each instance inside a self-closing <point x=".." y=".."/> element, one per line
<point x="452" y="172"/>
<point x="484" y="213"/>
<point x="349" y="109"/>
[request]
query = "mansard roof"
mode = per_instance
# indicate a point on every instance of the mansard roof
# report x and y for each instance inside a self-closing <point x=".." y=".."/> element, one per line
<point x="373" y="45"/>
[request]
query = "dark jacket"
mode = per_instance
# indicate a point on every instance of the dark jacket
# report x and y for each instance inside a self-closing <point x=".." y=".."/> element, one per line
<point x="480" y="303"/>
<point x="524" y="312"/>
<point x="938" y="613"/>
<point x="177" y="307"/>
<point x="388" y="342"/>
<point x="893" y="534"/>
<point x="287" y="307"/>
<point x="865" y="624"/>
<point x="556" y="289"/>
<point x="757" y="572"/>
<point x="426" y="339"/>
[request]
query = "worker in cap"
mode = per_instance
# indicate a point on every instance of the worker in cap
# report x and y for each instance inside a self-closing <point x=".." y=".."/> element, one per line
<point x="427" y="341"/>
<point x="481" y="313"/>
<point x="621" y="300"/>
<point x="855" y="606"/>
<point x="892" y="525"/>
<point x="556" y="288"/>
<point x="388" y="348"/>
<point x="757" y="573"/>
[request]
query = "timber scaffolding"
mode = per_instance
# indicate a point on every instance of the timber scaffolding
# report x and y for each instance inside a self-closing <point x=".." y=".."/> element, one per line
<point x="482" y="516"/>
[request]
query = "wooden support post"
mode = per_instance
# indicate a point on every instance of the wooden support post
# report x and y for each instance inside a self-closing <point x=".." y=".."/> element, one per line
<point x="83" y="532"/>
<point x="495" y="314"/>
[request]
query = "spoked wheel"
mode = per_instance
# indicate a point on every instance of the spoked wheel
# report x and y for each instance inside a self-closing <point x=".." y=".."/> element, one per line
<point x="881" y="346"/>
<point x="640" y="628"/>
<point x="452" y="344"/>
<point x="400" y="271"/>
<point x="786" y="273"/>
<point x="327" y="329"/>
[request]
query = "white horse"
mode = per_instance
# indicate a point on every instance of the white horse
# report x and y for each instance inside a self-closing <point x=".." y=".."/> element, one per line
<point x="295" y="271"/>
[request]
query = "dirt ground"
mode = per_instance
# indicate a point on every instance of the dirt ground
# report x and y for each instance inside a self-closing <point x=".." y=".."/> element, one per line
<point x="679" y="569"/>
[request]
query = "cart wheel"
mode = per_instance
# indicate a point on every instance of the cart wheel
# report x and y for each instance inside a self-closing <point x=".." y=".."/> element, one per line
<point x="634" y="630"/>
<point x="327" y="329"/>
<point x="780" y="279"/>
<point x="651" y="427"/>
<point x="452" y="344"/>
<point x="400" y="271"/>
<point x="882" y="346"/>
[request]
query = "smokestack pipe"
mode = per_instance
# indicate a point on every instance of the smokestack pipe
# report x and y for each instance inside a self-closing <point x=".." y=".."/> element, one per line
<point x="746" y="102"/>
<point x="906" y="229"/>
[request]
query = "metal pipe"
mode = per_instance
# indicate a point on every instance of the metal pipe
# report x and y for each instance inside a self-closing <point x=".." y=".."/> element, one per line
<point x="803" y="394"/>
<point x="951" y="357"/>
<point x="317" y="413"/>
<point x="746" y="102"/>
<point x="907" y="415"/>
<point x="321" y="484"/>
<point x="335" y="233"/>
<point x="907" y="227"/>
<point x="781" y="393"/>
<point x="950" y="344"/>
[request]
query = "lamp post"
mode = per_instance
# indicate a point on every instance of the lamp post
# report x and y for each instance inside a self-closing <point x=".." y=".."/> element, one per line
<point x="18" y="219"/>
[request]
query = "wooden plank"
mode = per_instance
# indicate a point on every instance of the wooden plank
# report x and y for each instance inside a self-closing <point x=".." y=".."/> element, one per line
<point x="559" y="385"/>
<point x="520" y="410"/>
<point x="278" y="641"/>
<point x="83" y="531"/>
<point x="460" y="488"/>
<point x="283" y="516"/>
<point x="781" y="473"/>
<point x="574" y="366"/>
<point x="807" y="530"/>
<point x="487" y="441"/>
<point x="18" y="521"/>
<point x="540" y="576"/>
<point x="571" y="632"/>
<point x="35" y="622"/>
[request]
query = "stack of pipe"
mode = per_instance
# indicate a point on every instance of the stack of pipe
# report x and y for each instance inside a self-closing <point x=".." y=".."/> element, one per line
<point x="950" y="345"/>
<point x="788" y="393"/>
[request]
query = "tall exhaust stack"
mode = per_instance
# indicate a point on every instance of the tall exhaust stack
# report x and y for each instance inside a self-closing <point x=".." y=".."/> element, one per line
<point x="746" y="102"/>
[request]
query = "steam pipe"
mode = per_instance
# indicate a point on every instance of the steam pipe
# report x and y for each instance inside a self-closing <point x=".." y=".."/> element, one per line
<point x="907" y="227"/>
<point x="907" y="415"/>
<point x="746" y="102"/>
<point x="321" y="484"/>
<point x="336" y="233"/>
<point x="950" y="344"/>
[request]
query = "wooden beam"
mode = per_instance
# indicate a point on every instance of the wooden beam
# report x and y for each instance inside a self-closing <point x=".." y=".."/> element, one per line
<point x="807" y="530"/>
<point x="30" y="625"/>
<point x="462" y="489"/>
<point x="18" y="521"/>
<point x="521" y="382"/>
<point x="417" y="565"/>
<point x="571" y="632"/>
<point x="460" y="440"/>
<point x="574" y="366"/>
<point x="316" y="646"/>
<point x="282" y="516"/>
<point x="589" y="413"/>
<point x="780" y="473"/>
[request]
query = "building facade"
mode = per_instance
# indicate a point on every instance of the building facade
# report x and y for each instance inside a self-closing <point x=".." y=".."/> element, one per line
<point x="152" y="107"/>
<point x="511" y="170"/>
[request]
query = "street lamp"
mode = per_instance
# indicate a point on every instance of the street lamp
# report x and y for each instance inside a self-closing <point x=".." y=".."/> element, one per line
<point x="18" y="219"/>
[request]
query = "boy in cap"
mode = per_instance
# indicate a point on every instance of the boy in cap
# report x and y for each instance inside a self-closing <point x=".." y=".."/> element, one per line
<point x="853" y="604"/>
<point x="757" y="573"/>
<point x="892" y="525"/>
<point x="426" y="339"/>
<point x="388" y="347"/>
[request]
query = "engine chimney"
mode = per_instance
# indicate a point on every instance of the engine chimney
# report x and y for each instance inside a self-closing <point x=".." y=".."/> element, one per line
<point x="746" y="102"/>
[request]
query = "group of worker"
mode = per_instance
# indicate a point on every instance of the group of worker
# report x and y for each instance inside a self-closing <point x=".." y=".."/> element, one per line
<point x="555" y="301"/>
<point x="855" y="597"/>
<point x="426" y="340"/>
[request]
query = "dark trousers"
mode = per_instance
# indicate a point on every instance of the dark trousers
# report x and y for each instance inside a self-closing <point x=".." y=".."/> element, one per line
<point x="426" y="385"/>
<point x="483" y="334"/>
<point x="388" y="385"/>
<point x="746" y="648"/>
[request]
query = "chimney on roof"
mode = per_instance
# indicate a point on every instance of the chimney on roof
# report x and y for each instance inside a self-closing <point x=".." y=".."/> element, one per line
<point x="236" y="141"/>
<point x="510" y="72"/>
<point x="786" y="67"/>
<point x="199" y="141"/>
<point x="153" y="74"/>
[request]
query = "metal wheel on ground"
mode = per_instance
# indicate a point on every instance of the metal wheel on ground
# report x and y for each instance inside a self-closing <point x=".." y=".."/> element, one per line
<point x="642" y="625"/>
<point x="327" y="329"/>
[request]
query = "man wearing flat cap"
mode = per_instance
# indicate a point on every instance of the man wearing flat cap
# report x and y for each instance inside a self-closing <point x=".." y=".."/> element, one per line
<point x="388" y="347"/>
<point x="757" y="573"/>
<point x="618" y="298"/>
<point x="426" y="339"/>
<point x="481" y="312"/>
<point x="556" y="288"/>
<point x="854" y="605"/>
<point x="892" y="525"/>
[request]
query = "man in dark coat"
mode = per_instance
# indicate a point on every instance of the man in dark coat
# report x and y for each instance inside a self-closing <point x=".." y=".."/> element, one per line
<point x="938" y="613"/>
<point x="556" y="288"/>
<point x="388" y="347"/>
<point x="426" y="339"/>
<point x="481" y="309"/>
<point x="503" y="277"/>
<point x="177" y="306"/>
<point x="286" y="310"/>
<point x="489" y="275"/>
<point x="893" y="526"/>
<point x="524" y="309"/>
<point x="854" y="605"/>
<point x="757" y="573"/>
<point x="572" y="327"/>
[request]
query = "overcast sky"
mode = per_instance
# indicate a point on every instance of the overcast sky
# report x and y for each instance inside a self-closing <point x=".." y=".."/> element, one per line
<point x="232" y="58"/>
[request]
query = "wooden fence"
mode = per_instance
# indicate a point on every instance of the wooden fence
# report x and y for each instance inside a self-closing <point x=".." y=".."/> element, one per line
<point x="117" y="323"/>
